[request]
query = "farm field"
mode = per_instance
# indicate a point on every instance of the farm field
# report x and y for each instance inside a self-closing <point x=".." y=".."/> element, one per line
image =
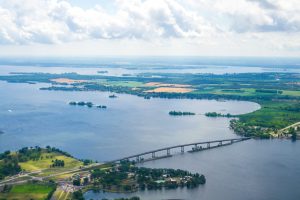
<point x="28" y="191"/>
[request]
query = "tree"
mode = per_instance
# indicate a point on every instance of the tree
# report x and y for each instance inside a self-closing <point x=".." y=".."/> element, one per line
<point x="78" y="195"/>
<point x="58" y="163"/>
<point x="85" y="180"/>
<point x="76" y="182"/>
<point x="293" y="133"/>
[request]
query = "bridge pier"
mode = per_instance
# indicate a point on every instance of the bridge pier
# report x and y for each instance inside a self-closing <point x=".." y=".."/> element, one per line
<point x="153" y="154"/>
<point x="182" y="149"/>
<point x="220" y="143"/>
<point x="231" y="141"/>
<point x="208" y="145"/>
<point x="168" y="152"/>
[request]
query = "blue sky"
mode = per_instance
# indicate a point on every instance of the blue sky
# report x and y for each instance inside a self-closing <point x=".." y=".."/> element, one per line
<point x="150" y="27"/>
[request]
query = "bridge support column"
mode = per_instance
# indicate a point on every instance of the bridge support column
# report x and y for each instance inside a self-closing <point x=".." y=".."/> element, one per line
<point x="220" y="143"/>
<point x="231" y="141"/>
<point x="138" y="159"/>
<point x="182" y="149"/>
<point x="153" y="155"/>
<point x="208" y="145"/>
<point x="168" y="152"/>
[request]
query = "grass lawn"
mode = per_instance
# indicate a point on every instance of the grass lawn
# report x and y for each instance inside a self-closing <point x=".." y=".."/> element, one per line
<point x="291" y="93"/>
<point x="28" y="191"/>
<point x="239" y="92"/>
<point x="243" y="92"/>
<point x="46" y="160"/>
<point x="218" y="91"/>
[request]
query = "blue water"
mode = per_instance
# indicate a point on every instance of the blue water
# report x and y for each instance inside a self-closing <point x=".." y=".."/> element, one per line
<point x="130" y="124"/>
<point x="158" y="61"/>
<point x="255" y="169"/>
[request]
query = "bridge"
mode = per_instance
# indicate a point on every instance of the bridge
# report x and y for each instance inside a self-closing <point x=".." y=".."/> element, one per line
<point x="190" y="147"/>
<point x="166" y="152"/>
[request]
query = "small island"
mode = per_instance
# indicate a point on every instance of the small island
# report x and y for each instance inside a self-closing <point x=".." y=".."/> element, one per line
<point x="81" y="103"/>
<point x="112" y="96"/>
<point x="88" y="104"/>
<point x="180" y="113"/>
<point x="126" y="74"/>
<point x="102" y="72"/>
<point x="215" y="114"/>
<point x="103" y="107"/>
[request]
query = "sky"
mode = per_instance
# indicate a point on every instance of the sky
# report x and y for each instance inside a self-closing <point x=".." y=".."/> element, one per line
<point x="150" y="28"/>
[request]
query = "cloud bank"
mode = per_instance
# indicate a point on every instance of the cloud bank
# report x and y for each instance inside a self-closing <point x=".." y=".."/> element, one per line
<point x="200" y="27"/>
<point x="58" y="21"/>
<point x="53" y="21"/>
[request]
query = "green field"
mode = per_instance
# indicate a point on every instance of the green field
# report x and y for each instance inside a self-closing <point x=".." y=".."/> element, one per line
<point x="218" y="91"/>
<point x="42" y="162"/>
<point x="246" y="92"/>
<point x="45" y="161"/>
<point x="295" y="93"/>
<point x="123" y="83"/>
<point x="273" y="114"/>
<point x="28" y="191"/>
<point x="267" y="121"/>
<point x="127" y="83"/>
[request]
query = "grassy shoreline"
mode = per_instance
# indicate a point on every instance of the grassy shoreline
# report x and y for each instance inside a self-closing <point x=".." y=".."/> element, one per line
<point x="268" y="120"/>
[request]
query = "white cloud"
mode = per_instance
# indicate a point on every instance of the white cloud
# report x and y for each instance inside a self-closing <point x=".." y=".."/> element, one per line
<point x="196" y="24"/>
<point x="53" y="21"/>
<point x="261" y="15"/>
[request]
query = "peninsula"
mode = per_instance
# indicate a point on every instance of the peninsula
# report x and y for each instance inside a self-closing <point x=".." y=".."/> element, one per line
<point x="45" y="173"/>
